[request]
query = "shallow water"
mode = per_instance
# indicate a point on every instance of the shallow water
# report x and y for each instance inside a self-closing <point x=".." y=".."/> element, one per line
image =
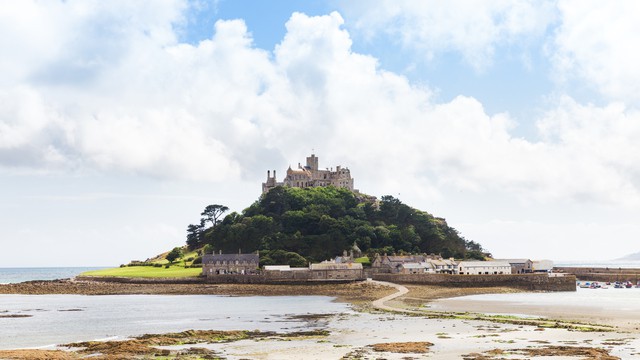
<point x="58" y="319"/>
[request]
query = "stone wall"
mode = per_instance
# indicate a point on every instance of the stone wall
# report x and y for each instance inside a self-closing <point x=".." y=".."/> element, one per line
<point x="603" y="274"/>
<point x="124" y="280"/>
<point x="263" y="279"/>
<point x="533" y="282"/>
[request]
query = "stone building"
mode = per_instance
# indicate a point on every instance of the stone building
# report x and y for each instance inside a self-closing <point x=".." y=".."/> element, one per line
<point x="311" y="175"/>
<point x="519" y="266"/>
<point x="336" y="271"/>
<point x="325" y="271"/>
<point x="393" y="263"/>
<point x="220" y="264"/>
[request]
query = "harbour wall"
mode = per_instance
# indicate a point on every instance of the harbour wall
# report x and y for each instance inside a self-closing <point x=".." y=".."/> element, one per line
<point x="531" y="282"/>
<point x="604" y="274"/>
<point x="221" y="279"/>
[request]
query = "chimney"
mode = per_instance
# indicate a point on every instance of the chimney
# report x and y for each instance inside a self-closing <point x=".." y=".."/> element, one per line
<point x="268" y="174"/>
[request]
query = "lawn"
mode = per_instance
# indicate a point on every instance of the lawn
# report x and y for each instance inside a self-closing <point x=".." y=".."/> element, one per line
<point x="146" y="272"/>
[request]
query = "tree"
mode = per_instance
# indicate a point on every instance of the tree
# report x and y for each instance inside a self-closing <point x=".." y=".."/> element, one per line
<point x="174" y="254"/>
<point x="194" y="235"/>
<point x="213" y="212"/>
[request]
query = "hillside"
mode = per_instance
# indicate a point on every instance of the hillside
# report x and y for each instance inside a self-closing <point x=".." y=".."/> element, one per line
<point x="295" y="225"/>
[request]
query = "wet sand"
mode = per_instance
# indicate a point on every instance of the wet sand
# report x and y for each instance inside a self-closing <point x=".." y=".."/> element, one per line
<point x="589" y="312"/>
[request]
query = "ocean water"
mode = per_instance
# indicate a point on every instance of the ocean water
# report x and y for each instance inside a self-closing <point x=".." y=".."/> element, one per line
<point x="16" y="275"/>
<point x="612" y="264"/>
<point x="59" y="319"/>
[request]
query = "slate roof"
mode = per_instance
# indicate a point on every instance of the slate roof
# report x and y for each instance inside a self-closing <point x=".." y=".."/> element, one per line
<point x="210" y="258"/>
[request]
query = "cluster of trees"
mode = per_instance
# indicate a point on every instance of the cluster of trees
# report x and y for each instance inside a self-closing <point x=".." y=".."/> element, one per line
<point x="294" y="225"/>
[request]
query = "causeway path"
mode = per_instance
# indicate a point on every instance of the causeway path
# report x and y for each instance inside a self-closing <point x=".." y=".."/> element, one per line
<point x="379" y="304"/>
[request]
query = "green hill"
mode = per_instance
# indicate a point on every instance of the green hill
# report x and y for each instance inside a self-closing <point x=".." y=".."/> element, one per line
<point x="295" y="225"/>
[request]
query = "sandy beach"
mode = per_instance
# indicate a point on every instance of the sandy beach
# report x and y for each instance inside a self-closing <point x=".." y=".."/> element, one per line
<point x="408" y="328"/>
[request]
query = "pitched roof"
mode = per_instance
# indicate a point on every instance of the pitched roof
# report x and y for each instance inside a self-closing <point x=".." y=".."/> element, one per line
<point x="484" y="263"/>
<point x="406" y="258"/>
<point x="336" y="266"/>
<point x="514" y="261"/>
<point x="208" y="258"/>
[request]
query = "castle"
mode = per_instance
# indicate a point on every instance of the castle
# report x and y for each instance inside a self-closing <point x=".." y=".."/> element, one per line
<point x="310" y="176"/>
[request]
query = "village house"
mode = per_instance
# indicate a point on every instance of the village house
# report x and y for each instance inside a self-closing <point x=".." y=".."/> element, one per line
<point x="444" y="266"/>
<point x="219" y="264"/>
<point x="416" y="268"/>
<point x="542" y="265"/>
<point x="484" y="268"/>
<point x="519" y="266"/>
<point x="419" y="264"/>
<point x="393" y="263"/>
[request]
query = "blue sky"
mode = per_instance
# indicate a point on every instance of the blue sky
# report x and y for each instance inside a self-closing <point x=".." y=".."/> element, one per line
<point x="515" y="120"/>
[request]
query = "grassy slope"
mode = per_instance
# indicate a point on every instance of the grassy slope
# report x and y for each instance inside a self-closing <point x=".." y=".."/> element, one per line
<point x="146" y="272"/>
<point x="175" y="271"/>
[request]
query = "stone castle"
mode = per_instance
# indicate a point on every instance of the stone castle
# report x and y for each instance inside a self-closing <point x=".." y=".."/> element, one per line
<point x="311" y="176"/>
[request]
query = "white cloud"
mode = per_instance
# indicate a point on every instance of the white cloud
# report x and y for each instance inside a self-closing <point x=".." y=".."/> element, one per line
<point x="595" y="43"/>
<point x="222" y="109"/>
<point x="219" y="109"/>
<point x="472" y="28"/>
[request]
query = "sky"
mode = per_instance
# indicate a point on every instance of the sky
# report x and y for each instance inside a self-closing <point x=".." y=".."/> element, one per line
<point x="517" y="121"/>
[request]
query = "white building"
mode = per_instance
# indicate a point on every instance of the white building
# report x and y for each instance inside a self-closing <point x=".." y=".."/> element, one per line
<point x="444" y="266"/>
<point x="416" y="268"/>
<point x="484" y="268"/>
<point x="542" y="265"/>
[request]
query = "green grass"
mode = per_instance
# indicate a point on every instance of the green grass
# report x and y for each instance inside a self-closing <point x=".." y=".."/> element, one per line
<point x="146" y="272"/>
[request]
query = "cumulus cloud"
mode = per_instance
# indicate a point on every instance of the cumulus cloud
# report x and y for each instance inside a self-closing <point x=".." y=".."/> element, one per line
<point x="472" y="28"/>
<point x="223" y="110"/>
<point x="594" y="44"/>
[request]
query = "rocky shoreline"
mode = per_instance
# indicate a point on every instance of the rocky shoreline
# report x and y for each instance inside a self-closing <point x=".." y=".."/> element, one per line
<point x="356" y="293"/>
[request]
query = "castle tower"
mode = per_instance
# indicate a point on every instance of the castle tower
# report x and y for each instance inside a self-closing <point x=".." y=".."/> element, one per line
<point x="311" y="176"/>
<point x="312" y="162"/>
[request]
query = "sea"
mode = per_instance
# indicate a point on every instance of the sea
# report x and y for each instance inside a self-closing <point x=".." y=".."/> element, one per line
<point x="17" y="275"/>
<point x="612" y="264"/>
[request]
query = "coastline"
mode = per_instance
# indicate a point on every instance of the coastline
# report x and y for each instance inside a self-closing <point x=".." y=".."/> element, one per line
<point x="368" y="333"/>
